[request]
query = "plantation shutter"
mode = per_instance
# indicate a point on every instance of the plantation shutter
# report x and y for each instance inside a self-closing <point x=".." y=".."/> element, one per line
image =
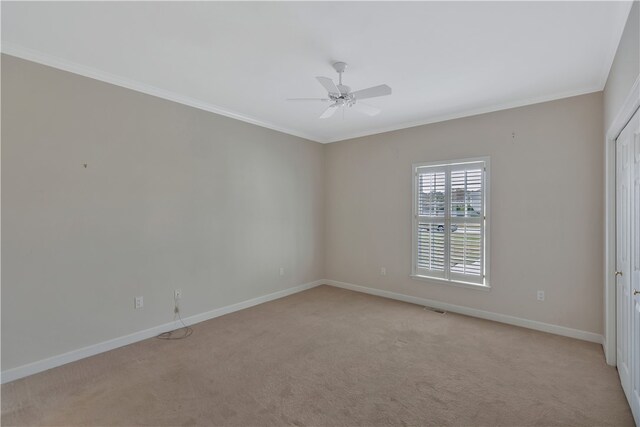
<point x="450" y="222"/>
<point x="466" y="245"/>
<point x="432" y="207"/>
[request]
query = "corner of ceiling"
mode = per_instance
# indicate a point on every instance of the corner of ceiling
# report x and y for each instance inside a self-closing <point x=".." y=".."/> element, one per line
<point x="75" y="68"/>
<point x="615" y="42"/>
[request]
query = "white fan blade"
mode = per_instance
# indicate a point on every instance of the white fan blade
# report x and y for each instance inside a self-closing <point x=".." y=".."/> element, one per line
<point x="329" y="85"/>
<point x="372" y="92"/>
<point x="369" y="110"/>
<point x="308" y="99"/>
<point x="329" y="111"/>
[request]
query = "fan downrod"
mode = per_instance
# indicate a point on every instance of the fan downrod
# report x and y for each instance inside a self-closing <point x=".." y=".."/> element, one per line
<point x="340" y="67"/>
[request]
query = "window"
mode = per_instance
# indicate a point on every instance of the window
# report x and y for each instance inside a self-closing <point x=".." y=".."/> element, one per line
<point x="450" y="221"/>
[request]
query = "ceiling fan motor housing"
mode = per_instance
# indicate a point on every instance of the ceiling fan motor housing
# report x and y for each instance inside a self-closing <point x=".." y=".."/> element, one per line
<point x="340" y="66"/>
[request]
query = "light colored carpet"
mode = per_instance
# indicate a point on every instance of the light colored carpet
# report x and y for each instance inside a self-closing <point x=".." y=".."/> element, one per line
<point x="326" y="357"/>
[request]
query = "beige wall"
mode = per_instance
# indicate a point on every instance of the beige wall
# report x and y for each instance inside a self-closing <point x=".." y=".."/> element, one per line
<point x="172" y="197"/>
<point x="625" y="68"/>
<point x="546" y="205"/>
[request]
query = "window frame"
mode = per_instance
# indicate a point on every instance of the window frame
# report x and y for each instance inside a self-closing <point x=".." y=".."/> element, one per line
<point x="447" y="275"/>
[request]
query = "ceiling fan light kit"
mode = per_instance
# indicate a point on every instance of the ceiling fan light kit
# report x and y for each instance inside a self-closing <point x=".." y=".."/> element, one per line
<point x="341" y="96"/>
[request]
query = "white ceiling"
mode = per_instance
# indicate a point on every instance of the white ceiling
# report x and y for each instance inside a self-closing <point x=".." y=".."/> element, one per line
<point x="442" y="59"/>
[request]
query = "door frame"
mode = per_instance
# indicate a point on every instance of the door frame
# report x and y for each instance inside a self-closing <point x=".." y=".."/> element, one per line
<point x="626" y="112"/>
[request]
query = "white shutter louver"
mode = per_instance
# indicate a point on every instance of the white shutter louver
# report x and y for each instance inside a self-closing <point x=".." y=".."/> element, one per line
<point x="431" y="246"/>
<point x="467" y="217"/>
<point x="432" y="206"/>
<point x="450" y="217"/>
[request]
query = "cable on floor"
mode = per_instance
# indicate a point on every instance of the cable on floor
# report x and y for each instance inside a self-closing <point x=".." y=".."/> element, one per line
<point x="186" y="330"/>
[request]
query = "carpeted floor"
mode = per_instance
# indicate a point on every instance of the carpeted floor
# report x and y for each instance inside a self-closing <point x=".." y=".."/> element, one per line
<point x="326" y="357"/>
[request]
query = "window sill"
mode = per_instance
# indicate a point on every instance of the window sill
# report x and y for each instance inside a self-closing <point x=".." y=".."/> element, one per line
<point x="452" y="283"/>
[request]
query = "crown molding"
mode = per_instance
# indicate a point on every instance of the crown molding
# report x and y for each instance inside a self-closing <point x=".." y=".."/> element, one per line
<point x="470" y="113"/>
<point x="32" y="55"/>
<point x="75" y="68"/>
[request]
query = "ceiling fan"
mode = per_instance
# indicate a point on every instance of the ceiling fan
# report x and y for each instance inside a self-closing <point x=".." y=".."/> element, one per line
<point x="341" y="95"/>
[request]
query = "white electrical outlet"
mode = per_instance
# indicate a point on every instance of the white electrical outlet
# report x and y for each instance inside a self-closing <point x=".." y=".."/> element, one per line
<point x="177" y="294"/>
<point x="282" y="271"/>
<point x="540" y="295"/>
<point x="138" y="302"/>
<point x="383" y="271"/>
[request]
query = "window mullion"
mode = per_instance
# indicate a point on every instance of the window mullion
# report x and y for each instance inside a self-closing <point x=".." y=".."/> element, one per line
<point x="447" y="222"/>
<point x="483" y="224"/>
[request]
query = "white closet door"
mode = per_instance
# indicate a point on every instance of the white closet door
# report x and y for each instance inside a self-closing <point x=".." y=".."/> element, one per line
<point x="628" y="261"/>
<point x="634" y="359"/>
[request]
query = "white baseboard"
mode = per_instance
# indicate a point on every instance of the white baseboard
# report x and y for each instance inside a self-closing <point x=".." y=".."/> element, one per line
<point x="81" y="353"/>
<point x="71" y="356"/>
<point x="611" y="361"/>
<point x="497" y="317"/>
